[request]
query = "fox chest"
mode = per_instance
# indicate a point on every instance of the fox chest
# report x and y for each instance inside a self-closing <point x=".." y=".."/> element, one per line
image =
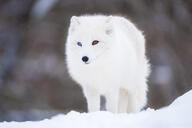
<point x="99" y="78"/>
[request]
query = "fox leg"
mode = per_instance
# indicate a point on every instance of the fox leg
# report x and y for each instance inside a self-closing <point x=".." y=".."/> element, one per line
<point x="112" y="101"/>
<point x="136" y="101"/>
<point x="93" y="99"/>
<point x="123" y="101"/>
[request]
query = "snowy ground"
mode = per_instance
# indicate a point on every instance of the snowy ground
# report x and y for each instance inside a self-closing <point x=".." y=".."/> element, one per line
<point x="177" y="115"/>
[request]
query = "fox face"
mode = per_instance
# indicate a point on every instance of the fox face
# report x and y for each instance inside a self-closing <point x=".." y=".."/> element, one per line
<point x="89" y="38"/>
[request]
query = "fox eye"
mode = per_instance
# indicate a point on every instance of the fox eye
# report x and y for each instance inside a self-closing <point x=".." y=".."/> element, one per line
<point x="79" y="44"/>
<point x="95" y="42"/>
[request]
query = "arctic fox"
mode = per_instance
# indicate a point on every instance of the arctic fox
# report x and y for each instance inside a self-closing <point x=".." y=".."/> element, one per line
<point x="106" y="56"/>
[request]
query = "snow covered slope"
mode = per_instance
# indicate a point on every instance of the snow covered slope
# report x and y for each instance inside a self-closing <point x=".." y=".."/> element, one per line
<point x="177" y="115"/>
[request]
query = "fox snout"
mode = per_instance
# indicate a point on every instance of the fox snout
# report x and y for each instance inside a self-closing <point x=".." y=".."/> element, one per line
<point x="85" y="59"/>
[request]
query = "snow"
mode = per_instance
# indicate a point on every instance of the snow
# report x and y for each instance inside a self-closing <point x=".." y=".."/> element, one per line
<point x="176" y="115"/>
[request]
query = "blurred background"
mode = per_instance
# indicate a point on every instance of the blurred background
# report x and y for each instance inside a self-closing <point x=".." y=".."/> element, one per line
<point x="34" y="83"/>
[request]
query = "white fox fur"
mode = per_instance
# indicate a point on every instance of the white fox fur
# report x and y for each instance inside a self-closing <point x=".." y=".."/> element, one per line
<point x="117" y="67"/>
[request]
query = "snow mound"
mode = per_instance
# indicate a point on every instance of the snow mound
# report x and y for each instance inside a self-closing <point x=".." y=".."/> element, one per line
<point x="176" y="115"/>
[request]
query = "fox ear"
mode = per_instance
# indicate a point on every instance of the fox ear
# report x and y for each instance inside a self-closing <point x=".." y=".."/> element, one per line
<point x="74" y="23"/>
<point x="75" y="20"/>
<point x="109" y="25"/>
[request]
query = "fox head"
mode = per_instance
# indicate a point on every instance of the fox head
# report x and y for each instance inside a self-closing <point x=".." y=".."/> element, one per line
<point x="89" y="38"/>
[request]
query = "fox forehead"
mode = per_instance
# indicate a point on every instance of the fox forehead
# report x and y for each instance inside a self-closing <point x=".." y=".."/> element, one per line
<point x="86" y="35"/>
<point x="96" y="20"/>
<point x="89" y="23"/>
<point x="89" y="28"/>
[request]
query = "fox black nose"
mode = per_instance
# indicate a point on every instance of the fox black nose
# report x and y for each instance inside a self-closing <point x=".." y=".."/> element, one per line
<point x="85" y="59"/>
